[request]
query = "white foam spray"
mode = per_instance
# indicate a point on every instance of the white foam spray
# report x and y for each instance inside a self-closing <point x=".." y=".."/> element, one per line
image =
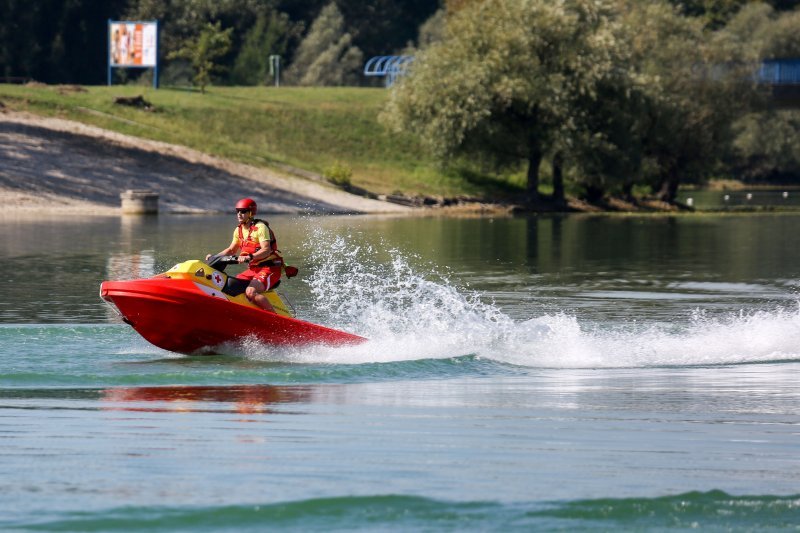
<point x="412" y="311"/>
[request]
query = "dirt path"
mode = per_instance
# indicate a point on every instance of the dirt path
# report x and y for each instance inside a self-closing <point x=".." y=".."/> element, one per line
<point x="67" y="167"/>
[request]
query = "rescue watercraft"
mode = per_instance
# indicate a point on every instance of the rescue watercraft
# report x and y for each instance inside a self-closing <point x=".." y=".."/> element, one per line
<point x="195" y="307"/>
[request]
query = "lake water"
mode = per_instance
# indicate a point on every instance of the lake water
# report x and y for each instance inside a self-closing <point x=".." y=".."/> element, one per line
<point x="543" y="373"/>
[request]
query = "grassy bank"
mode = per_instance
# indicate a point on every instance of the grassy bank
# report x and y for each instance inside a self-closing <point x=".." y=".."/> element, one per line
<point x="308" y="128"/>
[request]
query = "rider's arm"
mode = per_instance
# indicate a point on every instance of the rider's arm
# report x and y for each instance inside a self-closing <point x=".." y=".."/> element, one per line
<point x="230" y="250"/>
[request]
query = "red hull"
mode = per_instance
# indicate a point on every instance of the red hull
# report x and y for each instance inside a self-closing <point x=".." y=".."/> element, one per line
<point x="175" y="315"/>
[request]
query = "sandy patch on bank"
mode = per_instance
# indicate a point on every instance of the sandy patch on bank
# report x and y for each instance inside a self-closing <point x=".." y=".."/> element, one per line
<point x="67" y="167"/>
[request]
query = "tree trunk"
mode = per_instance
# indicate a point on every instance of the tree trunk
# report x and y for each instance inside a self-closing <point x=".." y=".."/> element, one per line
<point x="669" y="187"/>
<point x="534" y="160"/>
<point x="594" y="193"/>
<point x="558" y="180"/>
<point x="627" y="190"/>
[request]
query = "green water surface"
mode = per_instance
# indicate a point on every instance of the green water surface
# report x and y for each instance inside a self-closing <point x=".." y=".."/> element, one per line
<point x="544" y="373"/>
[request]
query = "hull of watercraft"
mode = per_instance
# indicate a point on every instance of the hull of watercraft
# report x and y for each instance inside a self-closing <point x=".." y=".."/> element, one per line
<point x="183" y="316"/>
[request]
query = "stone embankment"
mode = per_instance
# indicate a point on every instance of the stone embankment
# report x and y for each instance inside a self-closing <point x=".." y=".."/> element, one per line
<point x="67" y="167"/>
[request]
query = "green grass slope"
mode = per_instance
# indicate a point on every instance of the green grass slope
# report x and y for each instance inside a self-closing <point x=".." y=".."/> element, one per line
<point x="308" y="128"/>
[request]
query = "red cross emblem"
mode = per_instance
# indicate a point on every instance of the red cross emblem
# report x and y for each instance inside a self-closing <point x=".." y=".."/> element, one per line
<point x="217" y="278"/>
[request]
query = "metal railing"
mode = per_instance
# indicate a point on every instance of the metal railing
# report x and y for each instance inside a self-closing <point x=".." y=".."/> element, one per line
<point x="389" y="66"/>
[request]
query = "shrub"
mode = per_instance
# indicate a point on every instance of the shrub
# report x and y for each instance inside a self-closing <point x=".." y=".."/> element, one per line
<point x="338" y="173"/>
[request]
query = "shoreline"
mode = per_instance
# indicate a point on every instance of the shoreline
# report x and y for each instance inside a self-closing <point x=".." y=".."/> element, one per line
<point x="71" y="168"/>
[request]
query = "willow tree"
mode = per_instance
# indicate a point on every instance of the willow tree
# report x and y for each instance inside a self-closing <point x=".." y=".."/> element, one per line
<point x="504" y="80"/>
<point x="696" y="85"/>
<point x="767" y="141"/>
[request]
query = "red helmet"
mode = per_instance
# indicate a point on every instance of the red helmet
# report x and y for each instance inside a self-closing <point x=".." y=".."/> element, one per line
<point x="247" y="203"/>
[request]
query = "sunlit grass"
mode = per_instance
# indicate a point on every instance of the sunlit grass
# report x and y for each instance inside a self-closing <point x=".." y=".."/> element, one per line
<point x="307" y="128"/>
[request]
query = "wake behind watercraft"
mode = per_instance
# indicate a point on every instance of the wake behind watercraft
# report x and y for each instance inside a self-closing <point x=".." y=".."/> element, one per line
<point x="195" y="307"/>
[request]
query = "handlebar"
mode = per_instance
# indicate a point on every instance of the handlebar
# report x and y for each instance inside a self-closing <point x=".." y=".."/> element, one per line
<point x="219" y="262"/>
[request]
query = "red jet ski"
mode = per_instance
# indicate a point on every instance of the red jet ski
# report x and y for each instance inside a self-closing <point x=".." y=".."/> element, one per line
<point x="195" y="307"/>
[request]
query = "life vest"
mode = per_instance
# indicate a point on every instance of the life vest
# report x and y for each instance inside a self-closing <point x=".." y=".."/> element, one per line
<point x="249" y="246"/>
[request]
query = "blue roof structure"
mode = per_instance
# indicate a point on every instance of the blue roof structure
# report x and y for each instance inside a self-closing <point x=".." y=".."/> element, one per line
<point x="780" y="72"/>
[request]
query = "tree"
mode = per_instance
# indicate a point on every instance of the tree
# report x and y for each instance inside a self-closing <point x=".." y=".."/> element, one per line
<point x="203" y="50"/>
<point x="56" y="41"/>
<point x="326" y="55"/>
<point x="606" y="147"/>
<point x="382" y="27"/>
<point x="767" y="142"/>
<point x="767" y="146"/>
<point x="432" y="30"/>
<point x="269" y="35"/>
<point x="672" y="120"/>
<point x="378" y="27"/>
<point x="183" y="20"/>
<point x="505" y="80"/>
<point x="714" y="13"/>
<point x="669" y="117"/>
<point x="717" y="13"/>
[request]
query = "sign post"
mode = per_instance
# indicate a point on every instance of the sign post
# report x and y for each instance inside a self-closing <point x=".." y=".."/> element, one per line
<point x="275" y="68"/>
<point x="133" y="44"/>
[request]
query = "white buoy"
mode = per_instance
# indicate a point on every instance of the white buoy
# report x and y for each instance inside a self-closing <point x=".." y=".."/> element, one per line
<point x="726" y="197"/>
<point x="749" y="196"/>
<point x="689" y="201"/>
<point x="785" y="194"/>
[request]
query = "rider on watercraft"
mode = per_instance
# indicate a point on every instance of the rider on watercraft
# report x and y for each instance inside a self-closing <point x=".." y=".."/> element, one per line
<point x="255" y="243"/>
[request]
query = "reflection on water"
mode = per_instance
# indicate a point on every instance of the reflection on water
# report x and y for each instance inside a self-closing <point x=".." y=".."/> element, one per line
<point x="576" y="264"/>
<point x="246" y="399"/>
<point x="536" y="435"/>
<point x="131" y="266"/>
<point x="92" y="419"/>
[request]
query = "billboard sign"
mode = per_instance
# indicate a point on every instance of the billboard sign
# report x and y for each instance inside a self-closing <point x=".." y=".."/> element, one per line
<point x="133" y="44"/>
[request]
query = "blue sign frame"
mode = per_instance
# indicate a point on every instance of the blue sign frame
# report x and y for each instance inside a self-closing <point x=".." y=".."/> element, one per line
<point x="112" y="65"/>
